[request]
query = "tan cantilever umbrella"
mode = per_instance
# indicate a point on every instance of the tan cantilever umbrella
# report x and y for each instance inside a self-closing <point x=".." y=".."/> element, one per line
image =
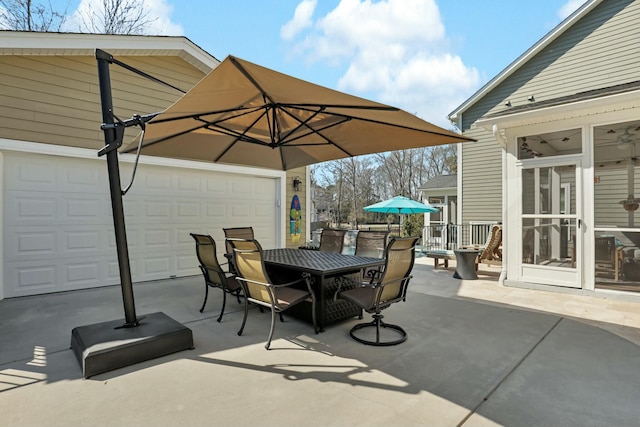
<point x="244" y="114"/>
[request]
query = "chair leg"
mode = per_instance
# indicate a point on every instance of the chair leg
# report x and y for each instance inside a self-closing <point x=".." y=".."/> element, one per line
<point x="224" y="302"/>
<point x="206" y="295"/>
<point x="313" y="317"/>
<point x="273" y="325"/>
<point x="244" y="319"/>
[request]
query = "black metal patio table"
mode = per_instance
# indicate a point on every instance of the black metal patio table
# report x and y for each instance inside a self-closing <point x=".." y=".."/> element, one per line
<point x="324" y="267"/>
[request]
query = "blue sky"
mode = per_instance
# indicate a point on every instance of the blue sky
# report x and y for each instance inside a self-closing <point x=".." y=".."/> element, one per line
<point x="425" y="56"/>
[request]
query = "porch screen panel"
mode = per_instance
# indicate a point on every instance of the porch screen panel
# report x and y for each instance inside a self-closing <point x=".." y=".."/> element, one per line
<point x="548" y="223"/>
<point x="616" y="234"/>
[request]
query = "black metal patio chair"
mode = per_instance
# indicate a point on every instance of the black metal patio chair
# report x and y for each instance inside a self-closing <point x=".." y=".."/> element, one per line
<point x="214" y="276"/>
<point x="390" y="287"/>
<point x="260" y="290"/>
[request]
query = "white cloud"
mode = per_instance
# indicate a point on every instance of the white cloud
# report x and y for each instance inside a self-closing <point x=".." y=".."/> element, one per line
<point x="569" y="7"/>
<point x="394" y="51"/>
<point x="301" y="20"/>
<point x="159" y="16"/>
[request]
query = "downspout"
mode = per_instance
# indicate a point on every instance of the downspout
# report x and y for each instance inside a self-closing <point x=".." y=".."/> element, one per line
<point x="459" y="180"/>
<point x="503" y="143"/>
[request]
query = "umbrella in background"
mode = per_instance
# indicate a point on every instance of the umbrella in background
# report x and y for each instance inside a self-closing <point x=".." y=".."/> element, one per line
<point x="400" y="205"/>
<point x="245" y="114"/>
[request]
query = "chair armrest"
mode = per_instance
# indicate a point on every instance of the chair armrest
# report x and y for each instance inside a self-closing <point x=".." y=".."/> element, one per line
<point x="220" y="273"/>
<point x="272" y="285"/>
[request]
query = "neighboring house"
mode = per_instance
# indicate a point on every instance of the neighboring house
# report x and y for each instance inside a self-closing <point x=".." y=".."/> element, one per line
<point x="57" y="229"/>
<point x="442" y="192"/>
<point x="558" y="133"/>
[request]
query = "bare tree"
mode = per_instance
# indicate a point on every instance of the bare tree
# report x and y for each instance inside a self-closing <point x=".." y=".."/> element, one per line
<point x="27" y="15"/>
<point x="365" y="180"/>
<point x="115" y="17"/>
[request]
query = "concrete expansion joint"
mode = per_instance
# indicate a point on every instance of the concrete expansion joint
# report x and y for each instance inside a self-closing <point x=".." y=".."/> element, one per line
<point x="509" y="373"/>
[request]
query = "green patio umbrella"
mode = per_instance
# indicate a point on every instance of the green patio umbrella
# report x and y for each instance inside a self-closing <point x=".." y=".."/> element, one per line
<point x="402" y="206"/>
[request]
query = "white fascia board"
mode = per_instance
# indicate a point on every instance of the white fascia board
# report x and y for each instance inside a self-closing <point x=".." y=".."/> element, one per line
<point x="525" y="57"/>
<point x="84" y="153"/>
<point x="35" y="43"/>
<point x="588" y="107"/>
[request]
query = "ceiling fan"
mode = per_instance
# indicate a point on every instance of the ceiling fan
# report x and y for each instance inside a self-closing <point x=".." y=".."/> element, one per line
<point x="627" y="138"/>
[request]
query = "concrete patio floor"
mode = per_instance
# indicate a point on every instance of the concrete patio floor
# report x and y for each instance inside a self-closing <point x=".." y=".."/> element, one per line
<point x="478" y="354"/>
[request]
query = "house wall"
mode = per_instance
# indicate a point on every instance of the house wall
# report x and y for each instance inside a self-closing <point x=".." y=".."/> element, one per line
<point x="598" y="51"/>
<point x="302" y="196"/>
<point x="482" y="178"/>
<point x="56" y="99"/>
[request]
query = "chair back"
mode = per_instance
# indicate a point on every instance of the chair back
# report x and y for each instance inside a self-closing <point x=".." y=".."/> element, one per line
<point x="400" y="257"/>
<point x="605" y="248"/>
<point x="206" y="253"/>
<point x="371" y="243"/>
<point x="244" y="233"/>
<point x="494" y="240"/>
<point x="236" y="233"/>
<point x="249" y="261"/>
<point x="332" y="240"/>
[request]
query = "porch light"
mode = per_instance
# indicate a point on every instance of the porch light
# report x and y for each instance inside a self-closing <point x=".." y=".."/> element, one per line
<point x="296" y="183"/>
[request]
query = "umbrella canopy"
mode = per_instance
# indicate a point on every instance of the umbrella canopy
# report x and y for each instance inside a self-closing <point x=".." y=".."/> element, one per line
<point x="244" y="114"/>
<point x="400" y="205"/>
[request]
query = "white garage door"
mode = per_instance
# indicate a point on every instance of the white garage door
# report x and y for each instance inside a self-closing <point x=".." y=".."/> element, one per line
<point x="58" y="228"/>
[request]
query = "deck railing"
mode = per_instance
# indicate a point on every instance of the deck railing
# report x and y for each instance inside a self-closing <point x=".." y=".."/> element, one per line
<point x="453" y="236"/>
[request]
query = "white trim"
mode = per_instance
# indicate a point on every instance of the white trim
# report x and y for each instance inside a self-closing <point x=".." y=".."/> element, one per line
<point x="459" y="173"/>
<point x="561" y="113"/>
<point x="525" y="57"/>
<point x="58" y="150"/>
<point x="2" y="228"/>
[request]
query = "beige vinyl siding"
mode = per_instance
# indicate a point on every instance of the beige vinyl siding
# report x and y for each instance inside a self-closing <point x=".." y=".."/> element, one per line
<point x="56" y="99"/>
<point x="302" y="196"/>
<point x="610" y="189"/>
<point x="482" y="178"/>
<point x="600" y="50"/>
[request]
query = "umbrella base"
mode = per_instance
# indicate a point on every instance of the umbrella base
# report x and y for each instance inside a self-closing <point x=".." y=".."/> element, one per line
<point x="106" y="346"/>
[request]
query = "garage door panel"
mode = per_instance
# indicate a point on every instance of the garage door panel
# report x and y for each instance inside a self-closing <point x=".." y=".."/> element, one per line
<point x="58" y="229"/>
<point x="241" y="188"/>
<point x="60" y="209"/>
<point x="82" y="274"/>
<point x="190" y="184"/>
<point x="37" y="175"/>
<point x="34" y="207"/>
<point x="243" y="210"/>
<point x="155" y="265"/>
<point x="215" y="211"/>
<point x="187" y="265"/>
<point x="188" y="210"/>
<point x="30" y="244"/>
<point x="82" y="241"/>
<point x="156" y="238"/>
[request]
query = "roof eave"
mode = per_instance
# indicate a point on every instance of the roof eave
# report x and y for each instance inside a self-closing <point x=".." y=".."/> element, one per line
<point x="49" y="44"/>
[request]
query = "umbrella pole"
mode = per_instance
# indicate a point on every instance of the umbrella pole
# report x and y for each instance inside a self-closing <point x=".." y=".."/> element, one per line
<point x="113" y="139"/>
<point x="105" y="346"/>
